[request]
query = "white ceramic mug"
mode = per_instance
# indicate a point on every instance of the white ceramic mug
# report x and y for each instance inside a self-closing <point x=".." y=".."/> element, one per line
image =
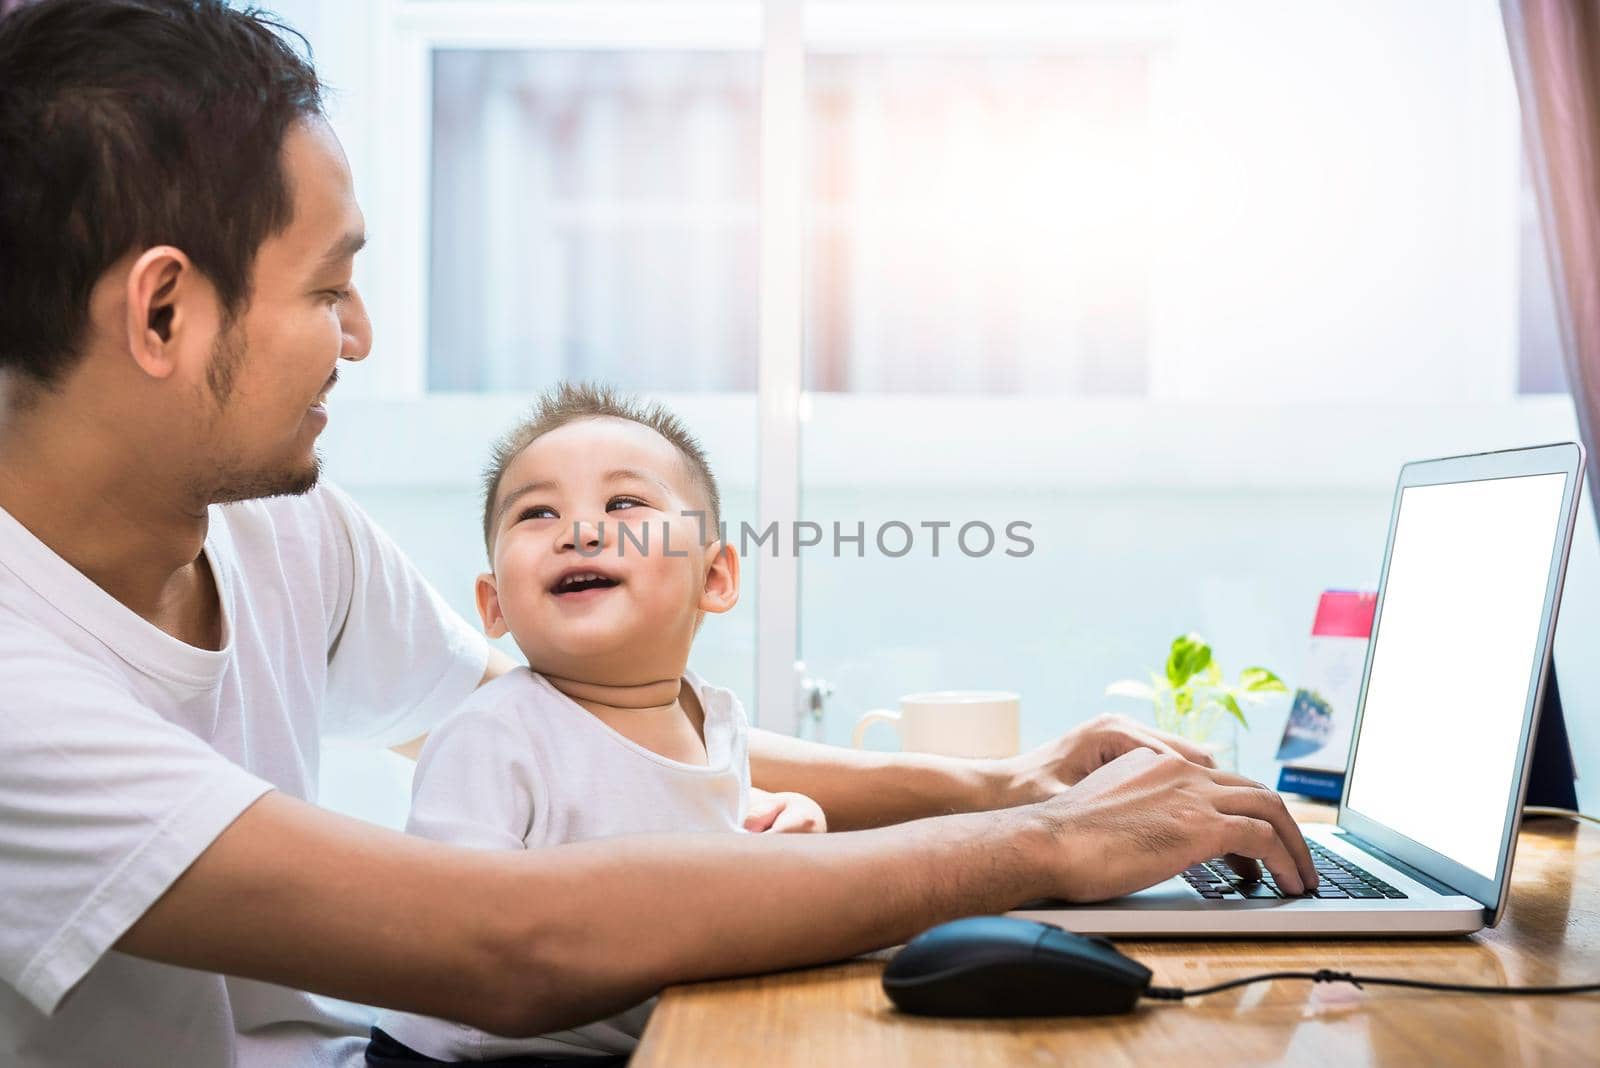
<point x="966" y="723"/>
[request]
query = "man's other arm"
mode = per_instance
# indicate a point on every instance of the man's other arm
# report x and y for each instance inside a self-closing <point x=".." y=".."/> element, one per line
<point x="861" y="788"/>
<point x="499" y="664"/>
<point x="529" y="942"/>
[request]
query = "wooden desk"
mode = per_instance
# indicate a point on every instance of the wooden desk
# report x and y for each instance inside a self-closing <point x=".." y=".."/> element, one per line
<point x="838" y="1015"/>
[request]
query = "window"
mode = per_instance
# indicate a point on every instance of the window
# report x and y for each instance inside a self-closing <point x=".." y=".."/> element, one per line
<point x="593" y="216"/>
<point x="979" y="223"/>
<point x="1181" y="284"/>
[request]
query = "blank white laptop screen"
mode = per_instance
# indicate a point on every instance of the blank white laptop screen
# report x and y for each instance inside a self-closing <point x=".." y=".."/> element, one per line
<point x="1453" y="660"/>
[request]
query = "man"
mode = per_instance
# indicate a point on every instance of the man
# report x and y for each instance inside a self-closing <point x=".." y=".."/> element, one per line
<point x="177" y="231"/>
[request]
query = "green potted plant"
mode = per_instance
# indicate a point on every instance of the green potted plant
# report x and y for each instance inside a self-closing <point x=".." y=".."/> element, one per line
<point x="1192" y="699"/>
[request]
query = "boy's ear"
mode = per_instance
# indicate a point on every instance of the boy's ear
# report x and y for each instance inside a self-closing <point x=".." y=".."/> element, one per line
<point x="722" y="579"/>
<point x="494" y="623"/>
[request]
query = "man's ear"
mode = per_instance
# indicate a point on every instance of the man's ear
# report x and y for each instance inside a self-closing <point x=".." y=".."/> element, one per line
<point x="722" y="579"/>
<point x="494" y="623"/>
<point x="163" y="291"/>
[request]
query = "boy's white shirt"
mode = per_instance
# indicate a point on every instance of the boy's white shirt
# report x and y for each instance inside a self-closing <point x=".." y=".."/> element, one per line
<point x="124" y="752"/>
<point x="520" y="766"/>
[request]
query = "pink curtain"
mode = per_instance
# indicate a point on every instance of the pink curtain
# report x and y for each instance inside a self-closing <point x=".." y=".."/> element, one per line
<point x="1555" y="52"/>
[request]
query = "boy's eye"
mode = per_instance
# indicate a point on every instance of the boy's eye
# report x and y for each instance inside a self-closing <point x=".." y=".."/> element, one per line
<point x="538" y="511"/>
<point x="624" y="502"/>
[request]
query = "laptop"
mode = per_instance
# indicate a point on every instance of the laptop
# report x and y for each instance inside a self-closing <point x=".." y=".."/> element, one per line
<point x="1444" y="729"/>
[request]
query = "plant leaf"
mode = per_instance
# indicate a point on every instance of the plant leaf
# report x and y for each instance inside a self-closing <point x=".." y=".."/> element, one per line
<point x="1212" y="675"/>
<point x="1232" y="705"/>
<point x="1132" y="688"/>
<point x="1190" y="654"/>
<point x="1260" y="680"/>
<point x="1183" y="701"/>
<point x="1175" y="675"/>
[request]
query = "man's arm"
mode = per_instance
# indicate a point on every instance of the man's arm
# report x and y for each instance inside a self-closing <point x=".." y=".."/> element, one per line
<point x="858" y="788"/>
<point x="499" y="664"/>
<point x="528" y="942"/>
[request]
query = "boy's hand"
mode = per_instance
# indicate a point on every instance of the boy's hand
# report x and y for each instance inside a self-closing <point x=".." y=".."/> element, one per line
<point x="785" y="813"/>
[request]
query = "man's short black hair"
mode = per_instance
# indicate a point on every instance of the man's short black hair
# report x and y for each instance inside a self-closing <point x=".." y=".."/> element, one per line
<point x="126" y="124"/>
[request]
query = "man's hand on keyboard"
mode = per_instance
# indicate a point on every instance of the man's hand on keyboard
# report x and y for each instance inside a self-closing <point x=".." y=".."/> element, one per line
<point x="1146" y="816"/>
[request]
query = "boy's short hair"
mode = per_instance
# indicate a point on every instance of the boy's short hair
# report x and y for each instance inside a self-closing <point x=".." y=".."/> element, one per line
<point x="568" y="403"/>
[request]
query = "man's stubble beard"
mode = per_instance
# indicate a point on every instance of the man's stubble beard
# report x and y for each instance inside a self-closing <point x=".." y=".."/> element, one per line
<point x="236" y="485"/>
<point x="231" y="478"/>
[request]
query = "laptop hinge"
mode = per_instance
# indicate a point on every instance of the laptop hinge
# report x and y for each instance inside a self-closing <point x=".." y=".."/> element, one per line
<point x="1394" y="862"/>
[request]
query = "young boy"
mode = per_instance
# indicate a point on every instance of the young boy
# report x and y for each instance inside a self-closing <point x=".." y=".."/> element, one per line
<point x="601" y="524"/>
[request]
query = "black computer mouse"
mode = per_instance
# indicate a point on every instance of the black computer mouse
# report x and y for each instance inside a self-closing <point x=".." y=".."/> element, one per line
<point x="1002" y="966"/>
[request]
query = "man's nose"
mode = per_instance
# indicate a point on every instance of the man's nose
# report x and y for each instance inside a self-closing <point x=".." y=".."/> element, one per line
<point x="357" y="327"/>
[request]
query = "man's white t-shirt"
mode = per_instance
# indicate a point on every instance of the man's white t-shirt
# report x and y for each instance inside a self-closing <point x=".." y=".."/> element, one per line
<point x="125" y="752"/>
<point x="522" y="766"/>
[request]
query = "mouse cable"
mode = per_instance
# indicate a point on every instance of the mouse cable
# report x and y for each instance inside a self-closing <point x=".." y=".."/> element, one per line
<point x="1327" y="975"/>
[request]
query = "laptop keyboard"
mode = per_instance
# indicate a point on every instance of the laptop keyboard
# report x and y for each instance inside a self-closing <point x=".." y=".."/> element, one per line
<point x="1337" y="879"/>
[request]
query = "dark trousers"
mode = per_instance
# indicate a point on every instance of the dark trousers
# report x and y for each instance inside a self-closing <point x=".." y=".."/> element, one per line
<point x="384" y="1052"/>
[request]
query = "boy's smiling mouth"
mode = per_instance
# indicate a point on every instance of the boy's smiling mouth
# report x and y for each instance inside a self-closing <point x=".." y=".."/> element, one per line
<point x="581" y="580"/>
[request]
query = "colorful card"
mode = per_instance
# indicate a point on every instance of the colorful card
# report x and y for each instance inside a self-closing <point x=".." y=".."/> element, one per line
<point x="1316" y="739"/>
